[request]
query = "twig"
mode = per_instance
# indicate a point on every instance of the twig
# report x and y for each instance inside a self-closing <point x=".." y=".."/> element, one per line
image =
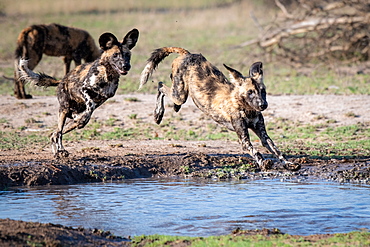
<point x="8" y="78"/>
<point x="255" y="20"/>
<point x="282" y="7"/>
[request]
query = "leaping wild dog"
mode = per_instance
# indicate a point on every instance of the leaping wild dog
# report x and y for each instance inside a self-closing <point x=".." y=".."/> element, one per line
<point x="86" y="87"/>
<point x="53" y="40"/>
<point x="236" y="104"/>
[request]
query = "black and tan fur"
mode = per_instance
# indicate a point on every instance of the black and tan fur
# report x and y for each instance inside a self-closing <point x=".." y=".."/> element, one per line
<point x="86" y="87"/>
<point x="236" y="104"/>
<point x="52" y="40"/>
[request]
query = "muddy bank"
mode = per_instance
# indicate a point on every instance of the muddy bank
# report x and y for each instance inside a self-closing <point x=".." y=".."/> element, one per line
<point x="96" y="165"/>
<point x="21" y="233"/>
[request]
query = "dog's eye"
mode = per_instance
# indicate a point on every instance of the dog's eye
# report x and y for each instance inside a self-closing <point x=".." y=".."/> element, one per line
<point x="250" y="91"/>
<point x="115" y="55"/>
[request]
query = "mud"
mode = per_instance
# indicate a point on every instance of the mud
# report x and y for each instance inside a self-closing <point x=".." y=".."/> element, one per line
<point x="21" y="233"/>
<point x="165" y="159"/>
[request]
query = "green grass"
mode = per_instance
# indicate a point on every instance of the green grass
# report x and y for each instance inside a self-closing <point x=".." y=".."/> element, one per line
<point x="339" y="240"/>
<point x="322" y="140"/>
<point x="20" y="140"/>
<point x="319" y="140"/>
<point x="321" y="81"/>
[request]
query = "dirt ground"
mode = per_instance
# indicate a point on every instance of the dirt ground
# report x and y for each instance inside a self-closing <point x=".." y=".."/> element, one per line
<point x="115" y="160"/>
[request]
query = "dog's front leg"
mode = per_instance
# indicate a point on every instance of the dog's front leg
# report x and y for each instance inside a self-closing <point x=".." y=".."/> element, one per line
<point x="261" y="132"/>
<point x="241" y="129"/>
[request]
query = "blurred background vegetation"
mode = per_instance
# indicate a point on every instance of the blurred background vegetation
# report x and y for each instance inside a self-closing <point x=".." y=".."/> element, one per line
<point x="216" y="28"/>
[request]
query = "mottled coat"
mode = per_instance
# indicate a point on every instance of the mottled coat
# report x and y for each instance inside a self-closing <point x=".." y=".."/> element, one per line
<point x="52" y="40"/>
<point x="236" y="103"/>
<point x="86" y="87"/>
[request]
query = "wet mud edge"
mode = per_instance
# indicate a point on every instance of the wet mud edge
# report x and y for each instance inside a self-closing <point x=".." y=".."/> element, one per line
<point x="35" y="171"/>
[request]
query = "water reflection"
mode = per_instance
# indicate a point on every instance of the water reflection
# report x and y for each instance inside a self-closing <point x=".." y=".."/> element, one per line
<point x="194" y="208"/>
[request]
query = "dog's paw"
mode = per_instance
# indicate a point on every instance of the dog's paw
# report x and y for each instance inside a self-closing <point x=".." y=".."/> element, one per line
<point x="266" y="165"/>
<point x="292" y="166"/>
<point x="61" y="154"/>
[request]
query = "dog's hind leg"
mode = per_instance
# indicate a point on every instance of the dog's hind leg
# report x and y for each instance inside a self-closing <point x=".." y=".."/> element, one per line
<point x="159" y="105"/>
<point x="178" y="93"/>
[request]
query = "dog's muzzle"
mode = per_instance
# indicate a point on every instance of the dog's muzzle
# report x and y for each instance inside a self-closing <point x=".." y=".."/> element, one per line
<point x="263" y="106"/>
<point x="124" y="69"/>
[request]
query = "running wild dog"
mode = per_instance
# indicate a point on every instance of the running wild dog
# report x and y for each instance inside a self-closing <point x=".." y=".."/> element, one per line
<point x="236" y="104"/>
<point x="52" y="40"/>
<point x="86" y="87"/>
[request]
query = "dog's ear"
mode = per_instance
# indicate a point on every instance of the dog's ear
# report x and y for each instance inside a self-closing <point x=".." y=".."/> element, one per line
<point x="256" y="71"/>
<point x="107" y="41"/>
<point x="235" y="75"/>
<point x="131" y="38"/>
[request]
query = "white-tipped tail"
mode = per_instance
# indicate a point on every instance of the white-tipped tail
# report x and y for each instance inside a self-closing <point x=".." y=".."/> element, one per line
<point x="25" y="73"/>
<point x="157" y="56"/>
<point x="37" y="79"/>
<point x="146" y="73"/>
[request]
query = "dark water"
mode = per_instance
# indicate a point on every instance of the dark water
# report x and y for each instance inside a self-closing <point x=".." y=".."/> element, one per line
<point x="195" y="208"/>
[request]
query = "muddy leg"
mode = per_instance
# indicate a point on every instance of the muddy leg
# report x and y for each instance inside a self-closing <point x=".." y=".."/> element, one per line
<point x="56" y="138"/>
<point x="159" y="105"/>
<point x="241" y="130"/>
<point x="261" y="132"/>
<point x="264" y="164"/>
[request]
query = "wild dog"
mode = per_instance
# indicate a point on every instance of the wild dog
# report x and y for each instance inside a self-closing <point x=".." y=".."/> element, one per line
<point x="53" y="40"/>
<point x="237" y="104"/>
<point x="86" y="87"/>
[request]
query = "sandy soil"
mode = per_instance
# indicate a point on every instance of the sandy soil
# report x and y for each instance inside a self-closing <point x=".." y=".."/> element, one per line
<point x="298" y="108"/>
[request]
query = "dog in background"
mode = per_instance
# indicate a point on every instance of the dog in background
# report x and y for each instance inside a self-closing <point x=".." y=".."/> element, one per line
<point x="237" y="104"/>
<point x="52" y="40"/>
<point x="86" y="87"/>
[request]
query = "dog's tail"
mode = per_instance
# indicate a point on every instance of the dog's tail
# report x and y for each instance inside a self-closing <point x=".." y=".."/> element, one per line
<point x="157" y="56"/>
<point x="20" y="51"/>
<point x="38" y="79"/>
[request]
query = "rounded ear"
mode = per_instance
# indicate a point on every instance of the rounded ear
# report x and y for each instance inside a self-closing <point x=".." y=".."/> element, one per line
<point x="131" y="38"/>
<point x="234" y="74"/>
<point x="107" y="41"/>
<point x="255" y="70"/>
